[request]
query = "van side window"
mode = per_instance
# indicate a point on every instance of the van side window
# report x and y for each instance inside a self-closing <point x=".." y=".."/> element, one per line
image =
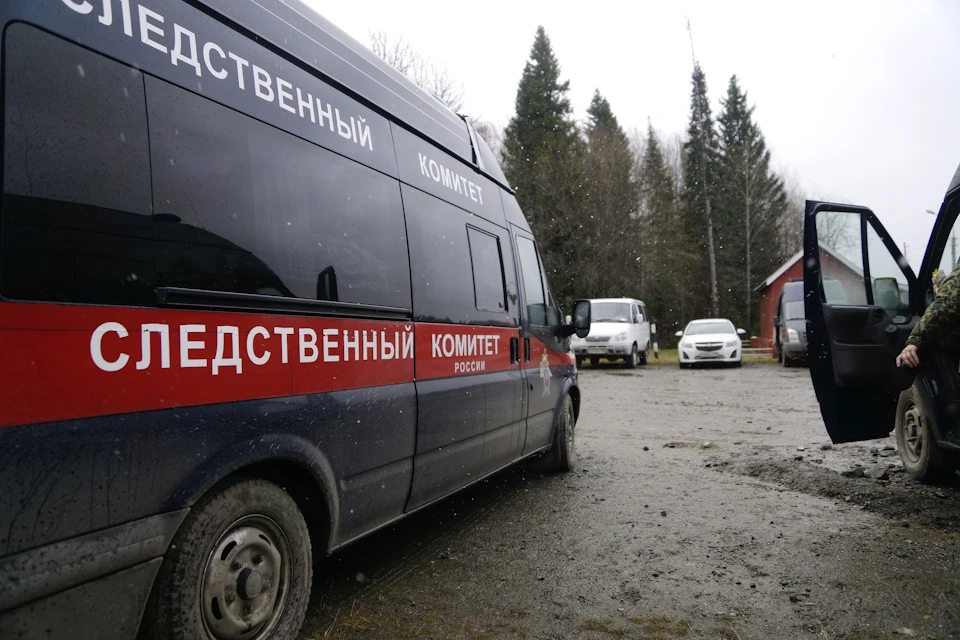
<point x="455" y="263"/>
<point x="76" y="175"/>
<point x="247" y="208"/>
<point x="532" y="282"/>
<point x="487" y="270"/>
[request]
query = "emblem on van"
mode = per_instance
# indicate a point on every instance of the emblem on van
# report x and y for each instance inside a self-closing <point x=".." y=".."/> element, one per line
<point x="545" y="374"/>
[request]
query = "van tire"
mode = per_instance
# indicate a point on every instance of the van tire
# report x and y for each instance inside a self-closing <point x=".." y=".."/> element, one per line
<point x="248" y="529"/>
<point x="562" y="456"/>
<point x="594" y="361"/>
<point x="633" y="359"/>
<point x="922" y="457"/>
<point x="645" y="355"/>
<point x="579" y="361"/>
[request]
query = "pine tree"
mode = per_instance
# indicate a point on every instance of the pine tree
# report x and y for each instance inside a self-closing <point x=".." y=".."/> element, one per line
<point x="666" y="260"/>
<point x="542" y="160"/>
<point x="700" y="179"/>
<point x="611" y="238"/>
<point x="751" y="206"/>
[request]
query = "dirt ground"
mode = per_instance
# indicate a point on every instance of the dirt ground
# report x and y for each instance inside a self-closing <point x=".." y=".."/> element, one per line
<point x="707" y="504"/>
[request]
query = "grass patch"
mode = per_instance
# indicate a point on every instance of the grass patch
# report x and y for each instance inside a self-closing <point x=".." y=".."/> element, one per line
<point x="603" y="626"/>
<point x="661" y="626"/>
<point x="670" y="358"/>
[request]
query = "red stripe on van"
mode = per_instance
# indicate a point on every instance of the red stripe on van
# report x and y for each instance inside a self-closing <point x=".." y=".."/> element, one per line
<point x="60" y="362"/>
<point x="447" y="350"/>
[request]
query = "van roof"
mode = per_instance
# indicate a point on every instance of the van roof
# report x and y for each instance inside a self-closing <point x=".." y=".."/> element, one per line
<point x="301" y="32"/>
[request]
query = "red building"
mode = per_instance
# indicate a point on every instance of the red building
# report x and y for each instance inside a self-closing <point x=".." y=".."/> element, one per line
<point x="832" y="265"/>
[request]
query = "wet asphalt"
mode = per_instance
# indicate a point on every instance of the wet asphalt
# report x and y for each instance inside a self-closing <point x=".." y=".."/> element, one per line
<point x="706" y="504"/>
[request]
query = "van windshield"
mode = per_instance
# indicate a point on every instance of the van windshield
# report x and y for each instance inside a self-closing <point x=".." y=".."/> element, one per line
<point x="610" y="312"/>
<point x="793" y="310"/>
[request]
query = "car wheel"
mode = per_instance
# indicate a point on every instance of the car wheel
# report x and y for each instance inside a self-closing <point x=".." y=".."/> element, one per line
<point x="785" y="361"/>
<point x="239" y="567"/>
<point x="684" y="365"/>
<point x="738" y="364"/>
<point x="921" y="455"/>
<point x="631" y="360"/>
<point x="645" y="355"/>
<point x="563" y="455"/>
<point x="594" y="361"/>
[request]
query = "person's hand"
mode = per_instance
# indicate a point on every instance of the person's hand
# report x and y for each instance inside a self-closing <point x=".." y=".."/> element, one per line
<point x="908" y="357"/>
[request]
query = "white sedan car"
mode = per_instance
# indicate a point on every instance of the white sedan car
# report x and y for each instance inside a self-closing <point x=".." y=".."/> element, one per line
<point x="714" y="340"/>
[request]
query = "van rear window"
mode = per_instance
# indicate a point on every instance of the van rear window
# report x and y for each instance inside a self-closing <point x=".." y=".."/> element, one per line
<point x="247" y="208"/>
<point x="100" y="207"/>
<point x="76" y="224"/>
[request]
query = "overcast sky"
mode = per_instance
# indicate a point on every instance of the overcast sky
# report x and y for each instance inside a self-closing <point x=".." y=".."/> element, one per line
<point x="859" y="101"/>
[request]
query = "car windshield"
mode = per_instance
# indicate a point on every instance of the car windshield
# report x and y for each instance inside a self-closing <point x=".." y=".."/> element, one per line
<point x="703" y="328"/>
<point x="610" y="312"/>
<point x="793" y="310"/>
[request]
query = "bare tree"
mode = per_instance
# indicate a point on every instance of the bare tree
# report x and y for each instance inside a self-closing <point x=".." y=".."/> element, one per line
<point x="435" y="80"/>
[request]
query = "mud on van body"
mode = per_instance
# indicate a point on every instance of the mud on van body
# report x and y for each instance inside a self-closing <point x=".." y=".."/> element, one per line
<point x="261" y="296"/>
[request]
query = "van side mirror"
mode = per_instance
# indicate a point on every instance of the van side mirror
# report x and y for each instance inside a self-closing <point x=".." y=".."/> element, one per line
<point x="886" y="294"/>
<point x="581" y="318"/>
<point x="741" y="332"/>
<point x="580" y="324"/>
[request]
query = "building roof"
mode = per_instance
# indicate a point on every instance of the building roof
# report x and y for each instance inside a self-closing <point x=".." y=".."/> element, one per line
<point x="773" y="277"/>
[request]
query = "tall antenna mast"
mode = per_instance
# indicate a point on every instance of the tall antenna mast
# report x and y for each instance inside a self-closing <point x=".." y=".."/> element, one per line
<point x="693" y="54"/>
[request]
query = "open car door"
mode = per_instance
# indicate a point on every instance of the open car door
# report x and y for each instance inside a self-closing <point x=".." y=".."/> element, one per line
<point x="861" y="302"/>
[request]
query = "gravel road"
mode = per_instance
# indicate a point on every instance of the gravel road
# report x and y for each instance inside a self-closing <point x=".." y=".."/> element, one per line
<point x="707" y="504"/>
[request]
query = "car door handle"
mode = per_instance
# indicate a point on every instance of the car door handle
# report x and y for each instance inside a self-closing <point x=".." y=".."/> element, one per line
<point x="526" y="349"/>
<point x="514" y="350"/>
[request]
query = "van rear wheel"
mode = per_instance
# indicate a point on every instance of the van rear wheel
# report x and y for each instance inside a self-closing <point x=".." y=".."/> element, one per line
<point x="239" y="567"/>
<point x="916" y="443"/>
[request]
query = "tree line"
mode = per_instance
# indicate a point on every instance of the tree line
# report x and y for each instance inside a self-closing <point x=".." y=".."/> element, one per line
<point x="691" y="225"/>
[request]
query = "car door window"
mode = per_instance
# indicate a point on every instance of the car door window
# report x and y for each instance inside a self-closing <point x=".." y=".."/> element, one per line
<point x="841" y="258"/>
<point x="858" y="268"/>
<point x="949" y="254"/>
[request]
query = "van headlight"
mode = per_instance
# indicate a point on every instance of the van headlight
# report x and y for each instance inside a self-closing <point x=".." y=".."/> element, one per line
<point x="792" y="335"/>
<point x="620" y="337"/>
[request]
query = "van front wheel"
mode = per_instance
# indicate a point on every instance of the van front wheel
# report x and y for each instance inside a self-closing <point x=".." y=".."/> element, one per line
<point x="563" y="455"/>
<point x="239" y="567"/>
<point x="631" y="360"/>
<point x="921" y="455"/>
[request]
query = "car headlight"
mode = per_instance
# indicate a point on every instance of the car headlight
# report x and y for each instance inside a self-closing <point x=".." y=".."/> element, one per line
<point x="620" y="336"/>
<point x="684" y="344"/>
<point x="733" y="343"/>
<point x="792" y="335"/>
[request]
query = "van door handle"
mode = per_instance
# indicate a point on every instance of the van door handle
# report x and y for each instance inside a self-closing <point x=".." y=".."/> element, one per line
<point x="514" y="350"/>
<point x="526" y="349"/>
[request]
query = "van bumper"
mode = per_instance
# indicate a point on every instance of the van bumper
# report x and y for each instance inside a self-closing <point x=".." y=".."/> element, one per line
<point x="602" y="350"/>
<point x="92" y="586"/>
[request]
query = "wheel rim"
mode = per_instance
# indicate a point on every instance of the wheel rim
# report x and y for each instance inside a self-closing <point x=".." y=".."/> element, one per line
<point x="913" y="432"/>
<point x="245" y="580"/>
<point x="633" y="356"/>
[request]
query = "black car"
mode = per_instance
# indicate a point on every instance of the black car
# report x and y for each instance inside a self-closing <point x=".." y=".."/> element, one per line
<point x="790" y="325"/>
